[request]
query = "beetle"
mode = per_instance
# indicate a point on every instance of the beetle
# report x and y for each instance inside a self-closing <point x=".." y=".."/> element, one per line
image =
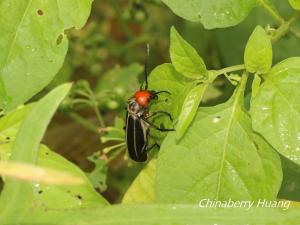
<point x="137" y="124"/>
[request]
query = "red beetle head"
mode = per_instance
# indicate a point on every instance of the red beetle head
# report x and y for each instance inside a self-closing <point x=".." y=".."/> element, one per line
<point x="143" y="97"/>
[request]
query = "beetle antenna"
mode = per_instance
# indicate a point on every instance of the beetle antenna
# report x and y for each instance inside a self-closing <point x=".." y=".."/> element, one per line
<point x="146" y="68"/>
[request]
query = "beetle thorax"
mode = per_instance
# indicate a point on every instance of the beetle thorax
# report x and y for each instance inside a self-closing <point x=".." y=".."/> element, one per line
<point x="135" y="108"/>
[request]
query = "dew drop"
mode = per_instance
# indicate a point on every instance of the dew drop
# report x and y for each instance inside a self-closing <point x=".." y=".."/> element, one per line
<point x="216" y="119"/>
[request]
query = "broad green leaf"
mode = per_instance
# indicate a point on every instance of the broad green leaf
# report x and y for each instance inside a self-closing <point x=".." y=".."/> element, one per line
<point x="25" y="149"/>
<point x="59" y="197"/>
<point x="10" y="123"/>
<point x="189" y="109"/>
<point x="275" y="110"/>
<point x="295" y="4"/>
<point x="290" y="187"/>
<point x="166" y="78"/>
<point x="185" y="58"/>
<point x="158" y="214"/>
<point x="33" y="44"/>
<point x="258" y="52"/>
<point x="212" y="14"/>
<point x="219" y="157"/>
<point x="142" y="188"/>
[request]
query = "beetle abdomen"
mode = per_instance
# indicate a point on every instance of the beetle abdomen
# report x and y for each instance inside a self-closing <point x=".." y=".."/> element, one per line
<point x="136" y="137"/>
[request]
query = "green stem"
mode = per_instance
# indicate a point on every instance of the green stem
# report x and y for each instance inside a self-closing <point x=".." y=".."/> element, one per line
<point x="87" y="124"/>
<point x="295" y="32"/>
<point x="267" y="5"/>
<point x="284" y="28"/>
<point x="229" y="69"/>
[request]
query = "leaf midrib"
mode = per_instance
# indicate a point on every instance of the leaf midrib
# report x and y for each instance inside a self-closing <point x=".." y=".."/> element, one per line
<point x="236" y="100"/>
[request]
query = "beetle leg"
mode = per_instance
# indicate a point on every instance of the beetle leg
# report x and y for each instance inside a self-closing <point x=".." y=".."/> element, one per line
<point x="159" y="112"/>
<point x="154" y="145"/>
<point x="156" y="127"/>
<point x="156" y="93"/>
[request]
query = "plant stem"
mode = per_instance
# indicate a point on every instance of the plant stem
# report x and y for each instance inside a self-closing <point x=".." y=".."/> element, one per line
<point x="295" y="32"/>
<point x="267" y="5"/>
<point x="84" y="122"/>
<point x="229" y="69"/>
<point x="284" y="28"/>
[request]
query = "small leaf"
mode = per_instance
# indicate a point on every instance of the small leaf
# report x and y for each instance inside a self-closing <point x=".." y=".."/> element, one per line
<point x="28" y="172"/>
<point x="255" y="85"/>
<point x="98" y="175"/>
<point x="142" y="188"/>
<point x="295" y="4"/>
<point x="275" y="110"/>
<point x="258" y="52"/>
<point x="185" y="58"/>
<point x="212" y="14"/>
<point x="189" y="109"/>
<point x="166" y="78"/>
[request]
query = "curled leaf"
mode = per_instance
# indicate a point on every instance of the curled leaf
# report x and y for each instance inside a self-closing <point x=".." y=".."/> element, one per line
<point x="189" y="109"/>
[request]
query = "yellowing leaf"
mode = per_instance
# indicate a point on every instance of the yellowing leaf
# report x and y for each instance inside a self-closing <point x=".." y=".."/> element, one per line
<point x="28" y="172"/>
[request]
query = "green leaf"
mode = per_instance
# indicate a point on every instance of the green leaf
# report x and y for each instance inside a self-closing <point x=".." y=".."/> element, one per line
<point x="25" y="149"/>
<point x="189" y="109"/>
<point x="33" y="44"/>
<point x="258" y="52"/>
<point x="185" y="58"/>
<point x="64" y="197"/>
<point x="275" y="110"/>
<point x="98" y="175"/>
<point x="219" y="157"/>
<point x="212" y="14"/>
<point x="163" y="214"/>
<point x="295" y="4"/>
<point x="255" y="85"/>
<point x="165" y="78"/>
<point x="59" y="197"/>
<point x="290" y="187"/>
<point x="142" y="188"/>
<point x="10" y="123"/>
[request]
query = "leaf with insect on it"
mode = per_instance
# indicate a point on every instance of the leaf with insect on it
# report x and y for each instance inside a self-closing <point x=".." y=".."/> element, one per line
<point x="219" y="157"/>
<point x="165" y="78"/>
<point x="185" y="58"/>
